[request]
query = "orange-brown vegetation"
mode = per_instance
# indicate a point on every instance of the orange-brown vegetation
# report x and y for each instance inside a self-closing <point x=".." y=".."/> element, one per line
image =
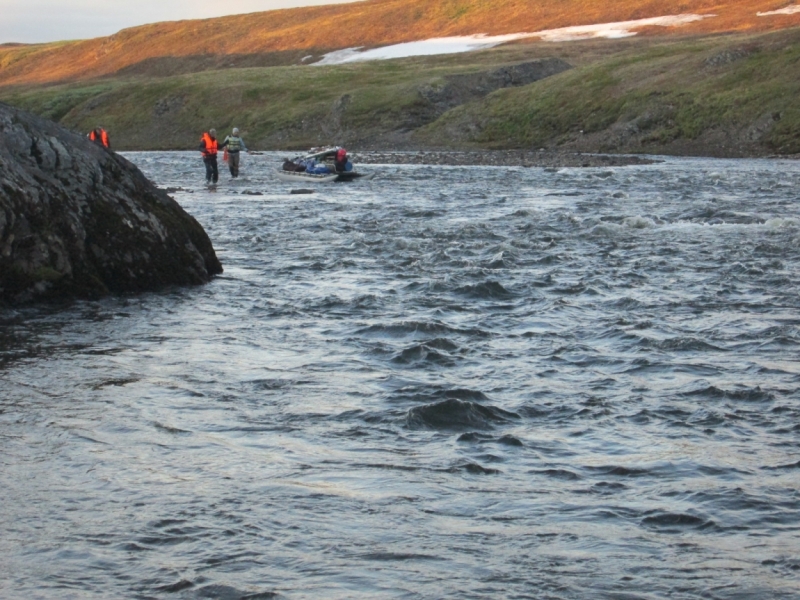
<point x="289" y="35"/>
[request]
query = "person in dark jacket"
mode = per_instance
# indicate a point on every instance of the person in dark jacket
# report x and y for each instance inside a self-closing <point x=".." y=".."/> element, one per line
<point x="208" y="148"/>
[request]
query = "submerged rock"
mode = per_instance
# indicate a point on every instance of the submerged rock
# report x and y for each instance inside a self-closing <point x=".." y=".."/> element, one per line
<point x="79" y="221"/>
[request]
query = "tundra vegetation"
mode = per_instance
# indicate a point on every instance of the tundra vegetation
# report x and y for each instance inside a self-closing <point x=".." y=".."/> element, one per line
<point x="725" y="85"/>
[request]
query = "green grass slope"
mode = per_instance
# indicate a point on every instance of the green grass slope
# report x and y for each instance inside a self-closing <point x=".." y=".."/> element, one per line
<point x="732" y="95"/>
<point x="722" y="96"/>
<point x="275" y="108"/>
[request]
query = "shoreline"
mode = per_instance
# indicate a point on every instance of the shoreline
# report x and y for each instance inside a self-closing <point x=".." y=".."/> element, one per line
<point x="500" y="158"/>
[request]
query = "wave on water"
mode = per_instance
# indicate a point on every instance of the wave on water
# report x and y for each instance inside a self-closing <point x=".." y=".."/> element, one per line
<point x="423" y="328"/>
<point x="742" y="394"/>
<point x="487" y="290"/>
<point x="442" y="382"/>
<point x="675" y="522"/>
<point x="458" y="414"/>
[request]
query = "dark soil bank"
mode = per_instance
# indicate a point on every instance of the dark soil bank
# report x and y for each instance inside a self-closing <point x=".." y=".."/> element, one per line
<point x="77" y="220"/>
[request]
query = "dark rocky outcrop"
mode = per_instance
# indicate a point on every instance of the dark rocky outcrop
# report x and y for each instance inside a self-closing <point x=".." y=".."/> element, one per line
<point x="395" y="128"/>
<point x="79" y="221"/>
<point x="460" y="89"/>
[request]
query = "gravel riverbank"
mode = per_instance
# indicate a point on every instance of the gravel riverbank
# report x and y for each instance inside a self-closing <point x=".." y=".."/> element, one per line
<point x="523" y="158"/>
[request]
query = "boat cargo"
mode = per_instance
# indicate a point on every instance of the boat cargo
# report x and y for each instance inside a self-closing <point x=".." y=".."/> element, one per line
<point x="320" y="165"/>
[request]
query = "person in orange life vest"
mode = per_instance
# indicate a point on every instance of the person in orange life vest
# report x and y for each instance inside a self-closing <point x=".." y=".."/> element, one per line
<point x="100" y="136"/>
<point x="208" y="148"/>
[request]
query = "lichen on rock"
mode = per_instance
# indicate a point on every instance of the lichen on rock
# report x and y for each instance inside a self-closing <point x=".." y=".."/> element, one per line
<point x="77" y="220"/>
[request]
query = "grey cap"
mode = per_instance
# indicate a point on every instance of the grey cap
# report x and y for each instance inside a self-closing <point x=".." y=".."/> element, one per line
<point x="235" y="131"/>
<point x="212" y="132"/>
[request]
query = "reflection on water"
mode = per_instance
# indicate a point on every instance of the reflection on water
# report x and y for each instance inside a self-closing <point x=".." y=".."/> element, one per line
<point x="445" y="382"/>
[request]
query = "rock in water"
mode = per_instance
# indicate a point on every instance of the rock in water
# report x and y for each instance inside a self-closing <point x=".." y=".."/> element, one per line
<point x="79" y="221"/>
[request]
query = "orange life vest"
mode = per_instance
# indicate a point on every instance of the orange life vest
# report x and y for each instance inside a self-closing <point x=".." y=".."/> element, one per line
<point x="211" y="146"/>
<point x="103" y="137"/>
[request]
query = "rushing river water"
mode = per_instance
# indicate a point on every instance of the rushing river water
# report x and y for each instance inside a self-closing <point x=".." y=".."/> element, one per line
<point x="442" y="383"/>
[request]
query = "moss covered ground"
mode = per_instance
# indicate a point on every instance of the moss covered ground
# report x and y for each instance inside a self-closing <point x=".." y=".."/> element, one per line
<point x="726" y="95"/>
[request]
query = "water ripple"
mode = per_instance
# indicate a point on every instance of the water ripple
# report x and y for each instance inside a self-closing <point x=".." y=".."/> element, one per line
<point x="460" y="382"/>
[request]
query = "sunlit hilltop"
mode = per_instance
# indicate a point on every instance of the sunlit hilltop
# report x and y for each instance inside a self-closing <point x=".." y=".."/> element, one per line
<point x="289" y="36"/>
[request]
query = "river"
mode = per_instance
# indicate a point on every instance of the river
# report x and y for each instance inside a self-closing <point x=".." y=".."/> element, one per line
<point x="446" y="382"/>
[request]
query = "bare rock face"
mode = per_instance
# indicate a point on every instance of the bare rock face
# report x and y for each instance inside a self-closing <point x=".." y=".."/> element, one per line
<point x="77" y="220"/>
<point x="460" y="89"/>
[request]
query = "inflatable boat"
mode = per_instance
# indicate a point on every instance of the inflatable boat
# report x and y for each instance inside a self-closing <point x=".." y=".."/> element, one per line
<point x="319" y="165"/>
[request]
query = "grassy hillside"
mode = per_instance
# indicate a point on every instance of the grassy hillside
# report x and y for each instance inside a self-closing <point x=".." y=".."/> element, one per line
<point x="287" y="36"/>
<point x="731" y="96"/>
<point x="727" y="95"/>
<point x="274" y="107"/>
<point x="277" y="107"/>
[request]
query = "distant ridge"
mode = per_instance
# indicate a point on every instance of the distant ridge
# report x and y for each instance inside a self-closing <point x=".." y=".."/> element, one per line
<point x="287" y="36"/>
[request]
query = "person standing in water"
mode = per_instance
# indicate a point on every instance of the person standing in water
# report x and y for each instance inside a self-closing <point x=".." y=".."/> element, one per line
<point x="208" y="148"/>
<point x="234" y="145"/>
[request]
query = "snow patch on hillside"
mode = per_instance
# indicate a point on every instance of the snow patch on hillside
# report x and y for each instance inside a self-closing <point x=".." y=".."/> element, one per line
<point x="789" y="10"/>
<point x="612" y="31"/>
<point x="468" y="43"/>
<point x="446" y="45"/>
